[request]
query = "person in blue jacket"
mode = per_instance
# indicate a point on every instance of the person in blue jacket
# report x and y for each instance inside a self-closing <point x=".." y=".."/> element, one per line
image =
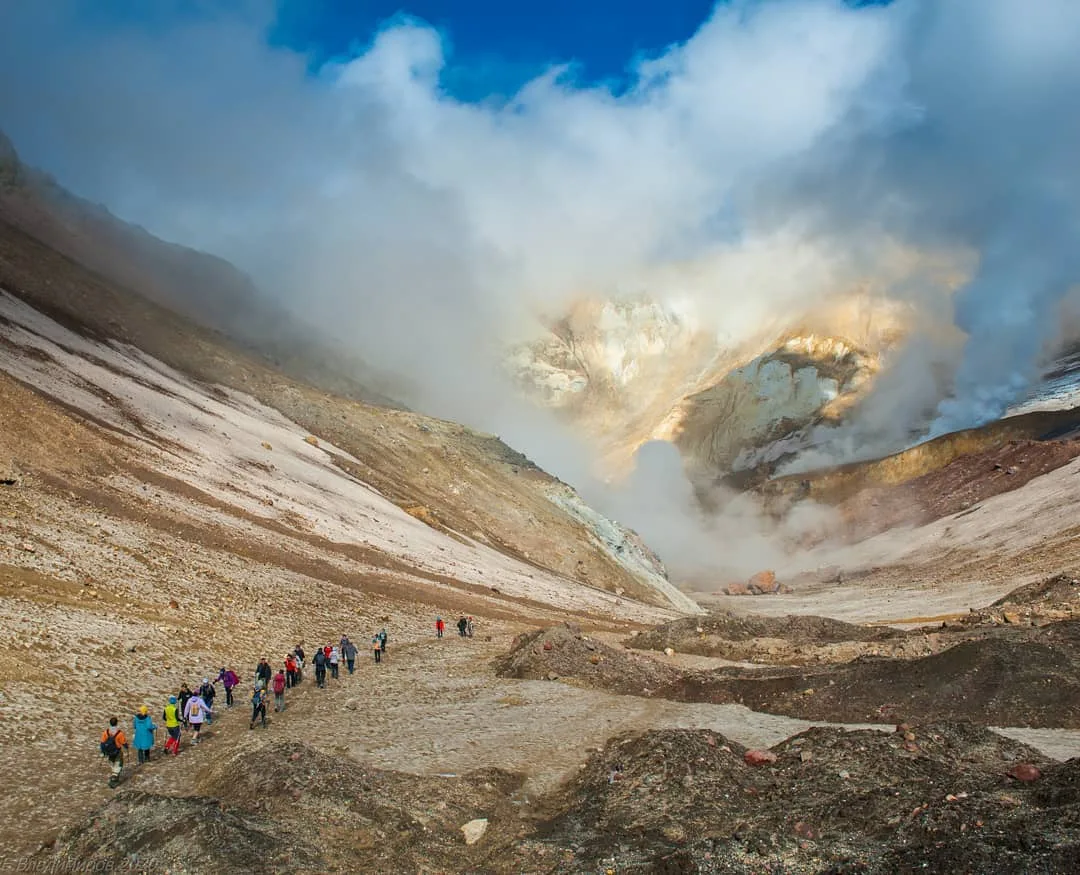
<point x="144" y="733"/>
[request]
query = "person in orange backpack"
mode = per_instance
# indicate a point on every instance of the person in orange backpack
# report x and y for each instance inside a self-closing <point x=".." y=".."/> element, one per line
<point x="113" y="744"/>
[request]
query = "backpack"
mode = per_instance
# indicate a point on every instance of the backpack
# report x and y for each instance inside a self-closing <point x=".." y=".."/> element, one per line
<point x="195" y="710"/>
<point x="109" y="747"/>
<point x="279" y="684"/>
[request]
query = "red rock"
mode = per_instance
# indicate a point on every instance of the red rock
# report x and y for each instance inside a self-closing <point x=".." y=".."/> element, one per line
<point x="548" y="645"/>
<point x="763" y="580"/>
<point x="294" y="757"/>
<point x="737" y="589"/>
<point x="1025" y="772"/>
<point x="759" y="757"/>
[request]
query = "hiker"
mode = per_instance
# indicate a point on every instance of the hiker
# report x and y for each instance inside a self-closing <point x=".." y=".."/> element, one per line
<point x="382" y="640"/>
<point x="279" y="691"/>
<point x="461" y="626"/>
<point x="112" y="748"/>
<point x="144" y="733"/>
<point x="263" y="672"/>
<point x="195" y="713"/>
<point x="349" y="652"/>
<point x="229" y="679"/>
<point x="207" y="693"/>
<point x="440" y="627"/>
<point x="298" y="652"/>
<point x="469" y="627"/>
<point x="335" y="659"/>
<point x="172" y="715"/>
<point x="290" y="670"/>
<point x="258" y="707"/>
<point x="320" y="668"/>
<point x="376" y="648"/>
<point x="182" y="700"/>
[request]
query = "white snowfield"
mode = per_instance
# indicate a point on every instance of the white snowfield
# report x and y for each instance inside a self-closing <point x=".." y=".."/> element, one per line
<point x="213" y="439"/>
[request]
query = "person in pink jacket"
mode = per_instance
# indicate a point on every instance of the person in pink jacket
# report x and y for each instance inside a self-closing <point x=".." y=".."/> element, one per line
<point x="195" y="712"/>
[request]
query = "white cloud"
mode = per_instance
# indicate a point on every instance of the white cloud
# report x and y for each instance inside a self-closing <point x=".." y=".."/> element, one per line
<point x="750" y="170"/>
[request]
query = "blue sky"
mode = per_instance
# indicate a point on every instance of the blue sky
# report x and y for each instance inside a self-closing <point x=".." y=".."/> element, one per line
<point x="498" y="45"/>
<point x="503" y="43"/>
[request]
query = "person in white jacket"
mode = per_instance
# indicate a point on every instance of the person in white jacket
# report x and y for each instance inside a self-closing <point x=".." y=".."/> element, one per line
<point x="195" y="712"/>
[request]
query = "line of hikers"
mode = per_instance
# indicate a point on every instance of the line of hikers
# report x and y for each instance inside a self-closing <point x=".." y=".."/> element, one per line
<point x="465" y="626"/>
<point x="192" y="709"/>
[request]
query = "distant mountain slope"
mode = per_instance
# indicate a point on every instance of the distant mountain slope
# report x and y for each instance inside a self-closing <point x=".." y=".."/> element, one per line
<point x="204" y="288"/>
<point x="456" y="481"/>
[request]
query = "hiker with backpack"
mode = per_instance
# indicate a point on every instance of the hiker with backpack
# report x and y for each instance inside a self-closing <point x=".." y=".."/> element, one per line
<point x="207" y="693"/>
<point x="258" y="707"/>
<point x="195" y="713"/>
<point x="229" y="679"/>
<point x="113" y="744"/>
<point x="172" y="716"/>
<point x="440" y="627"/>
<point x="469" y="627"/>
<point x="298" y="652"/>
<point x="290" y="670"/>
<point x="182" y="699"/>
<point x="382" y="640"/>
<point x="376" y="648"/>
<point x="320" y="669"/>
<point x="263" y="672"/>
<point x="279" y="690"/>
<point x="144" y="733"/>
<point x="462" y="624"/>
<point x="335" y="660"/>
<point x="348" y="650"/>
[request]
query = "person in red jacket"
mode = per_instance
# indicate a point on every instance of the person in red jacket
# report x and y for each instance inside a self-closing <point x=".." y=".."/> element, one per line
<point x="279" y="690"/>
<point x="440" y="627"/>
